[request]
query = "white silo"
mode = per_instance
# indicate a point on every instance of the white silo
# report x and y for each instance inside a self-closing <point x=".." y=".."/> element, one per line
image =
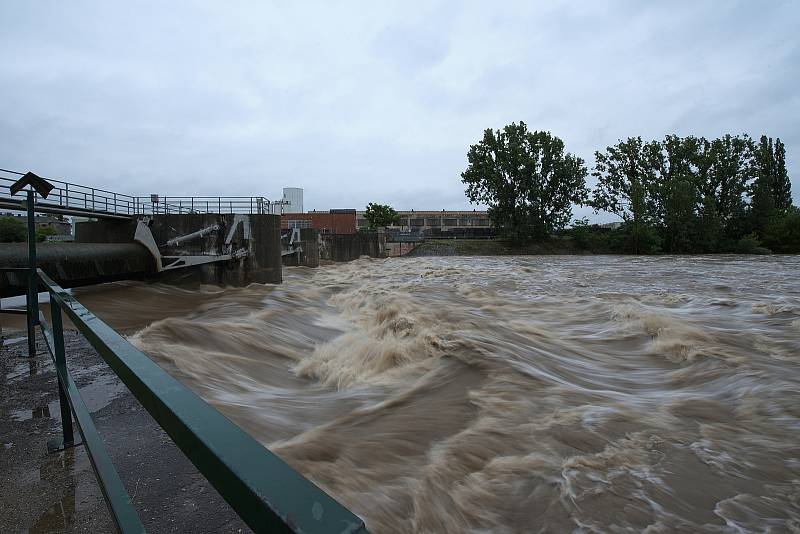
<point x="294" y="197"/>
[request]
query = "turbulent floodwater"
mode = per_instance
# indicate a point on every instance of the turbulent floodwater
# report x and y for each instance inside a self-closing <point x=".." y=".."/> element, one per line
<point x="508" y="394"/>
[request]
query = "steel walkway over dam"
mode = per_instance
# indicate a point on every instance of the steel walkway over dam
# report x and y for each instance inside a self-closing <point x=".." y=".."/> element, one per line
<point x="78" y="200"/>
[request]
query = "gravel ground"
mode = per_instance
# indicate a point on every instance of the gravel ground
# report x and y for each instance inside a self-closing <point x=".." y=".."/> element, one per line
<point x="58" y="492"/>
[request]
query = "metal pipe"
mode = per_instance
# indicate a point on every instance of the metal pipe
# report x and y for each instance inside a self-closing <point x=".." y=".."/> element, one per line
<point x="194" y="235"/>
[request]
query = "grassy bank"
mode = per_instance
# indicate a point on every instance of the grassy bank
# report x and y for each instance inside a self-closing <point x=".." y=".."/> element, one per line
<point x="493" y="247"/>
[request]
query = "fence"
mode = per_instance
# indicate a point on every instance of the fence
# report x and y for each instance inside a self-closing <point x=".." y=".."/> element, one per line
<point x="166" y="205"/>
<point x="74" y="199"/>
<point x="70" y="198"/>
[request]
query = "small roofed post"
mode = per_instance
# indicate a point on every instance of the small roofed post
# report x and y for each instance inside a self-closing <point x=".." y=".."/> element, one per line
<point x="43" y="187"/>
<point x="39" y="184"/>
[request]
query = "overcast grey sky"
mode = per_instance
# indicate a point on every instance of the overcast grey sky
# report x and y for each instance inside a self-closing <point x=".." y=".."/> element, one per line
<point x="373" y="101"/>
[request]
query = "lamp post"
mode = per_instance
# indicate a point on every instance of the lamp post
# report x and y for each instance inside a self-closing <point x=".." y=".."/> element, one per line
<point x="35" y="184"/>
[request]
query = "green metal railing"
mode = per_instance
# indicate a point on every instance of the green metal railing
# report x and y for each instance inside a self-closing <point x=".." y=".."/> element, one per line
<point x="266" y="492"/>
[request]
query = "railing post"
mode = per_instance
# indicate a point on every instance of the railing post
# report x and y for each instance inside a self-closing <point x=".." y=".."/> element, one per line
<point x="32" y="299"/>
<point x="61" y="363"/>
<point x="66" y="194"/>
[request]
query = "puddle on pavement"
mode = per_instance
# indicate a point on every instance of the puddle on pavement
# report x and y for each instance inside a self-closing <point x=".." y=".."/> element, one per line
<point x="100" y="392"/>
<point x="96" y="395"/>
<point x="36" y="413"/>
<point x="24" y="368"/>
<point x="59" y="469"/>
<point x="58" y="517"/>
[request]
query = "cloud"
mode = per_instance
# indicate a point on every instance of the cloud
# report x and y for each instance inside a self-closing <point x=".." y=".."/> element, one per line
<point x="373" y="102"/>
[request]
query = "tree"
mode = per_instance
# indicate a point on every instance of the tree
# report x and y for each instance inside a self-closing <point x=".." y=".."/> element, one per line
<point x="12" y="230"/>
<point x="729" y="175"/>
<point x="527" y="179"/>
<point x="625" y="186"/>
<point x="43" y="231"/>
<point x="782" y="186"/>
<point x="624" y="181"/>
<point x="680" y="220"/>
<point x="763" y="201"/>
<point x="678" y="166"/>
<point x="782" y="233"/>
<point x="379" y="215"/>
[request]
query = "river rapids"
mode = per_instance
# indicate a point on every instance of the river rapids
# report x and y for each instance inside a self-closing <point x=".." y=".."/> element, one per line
<point x="507" y="394"/>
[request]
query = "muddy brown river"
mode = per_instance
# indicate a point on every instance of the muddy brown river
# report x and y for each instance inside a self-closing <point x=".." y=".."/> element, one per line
<point x="519" y="394"/>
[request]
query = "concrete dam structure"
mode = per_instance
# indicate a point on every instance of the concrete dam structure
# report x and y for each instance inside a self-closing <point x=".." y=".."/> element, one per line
<point x="225" y="249"/>
<point x="230" y="249"/>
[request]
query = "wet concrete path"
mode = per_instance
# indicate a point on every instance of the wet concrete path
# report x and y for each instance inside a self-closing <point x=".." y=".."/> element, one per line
<point x="42" y="492"/>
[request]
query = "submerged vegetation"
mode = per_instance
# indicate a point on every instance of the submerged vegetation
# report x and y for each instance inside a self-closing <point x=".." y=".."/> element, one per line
<point x="677" y="195"/>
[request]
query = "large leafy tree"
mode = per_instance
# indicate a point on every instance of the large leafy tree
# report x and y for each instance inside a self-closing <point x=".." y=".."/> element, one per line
<point x="379" y="215"/>
<point x="527" y="179"/>
<point x="764" y="196"/>
<point x="625" y="181"/>
<point x="626" y="187"/>
<point x="729" y="173"/>
<point x="677" y="167"/>
<point x="698" y="195"/>
<point x="782" y="186"/>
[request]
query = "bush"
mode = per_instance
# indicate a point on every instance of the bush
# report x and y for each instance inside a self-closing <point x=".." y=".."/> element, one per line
<point x="44" y="231"/>
<point x="633" y="238"/>
<point x="750" y="244"/>
<point x="782" y="233"/>
<point x="12" y="230"/>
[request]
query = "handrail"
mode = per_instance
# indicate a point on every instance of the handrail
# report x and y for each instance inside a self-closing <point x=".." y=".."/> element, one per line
<point x="74" y="199"/>
<point x="52" y="180"/>
<point x="266" y="492"/>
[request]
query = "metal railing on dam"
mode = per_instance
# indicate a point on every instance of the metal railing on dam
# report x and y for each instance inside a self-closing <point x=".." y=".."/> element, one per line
<point x="73" y="199"/>
<point x="266" y="492"/>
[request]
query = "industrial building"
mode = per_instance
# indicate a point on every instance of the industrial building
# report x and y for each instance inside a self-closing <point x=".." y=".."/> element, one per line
<point x="443" y="223"/>
<point x="439" y="223"/>
<point x="341" y="221"/>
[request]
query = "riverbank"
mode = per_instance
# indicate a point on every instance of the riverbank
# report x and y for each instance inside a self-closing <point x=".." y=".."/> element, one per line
<point x="494" y="247"/>
<point x="43" y="492"/>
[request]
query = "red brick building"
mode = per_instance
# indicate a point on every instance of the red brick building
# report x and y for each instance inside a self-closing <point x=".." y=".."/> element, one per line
<point x="333" y="222"/>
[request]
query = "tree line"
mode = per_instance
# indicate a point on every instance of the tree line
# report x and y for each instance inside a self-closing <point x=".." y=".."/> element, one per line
<point x="673" y="195"/>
